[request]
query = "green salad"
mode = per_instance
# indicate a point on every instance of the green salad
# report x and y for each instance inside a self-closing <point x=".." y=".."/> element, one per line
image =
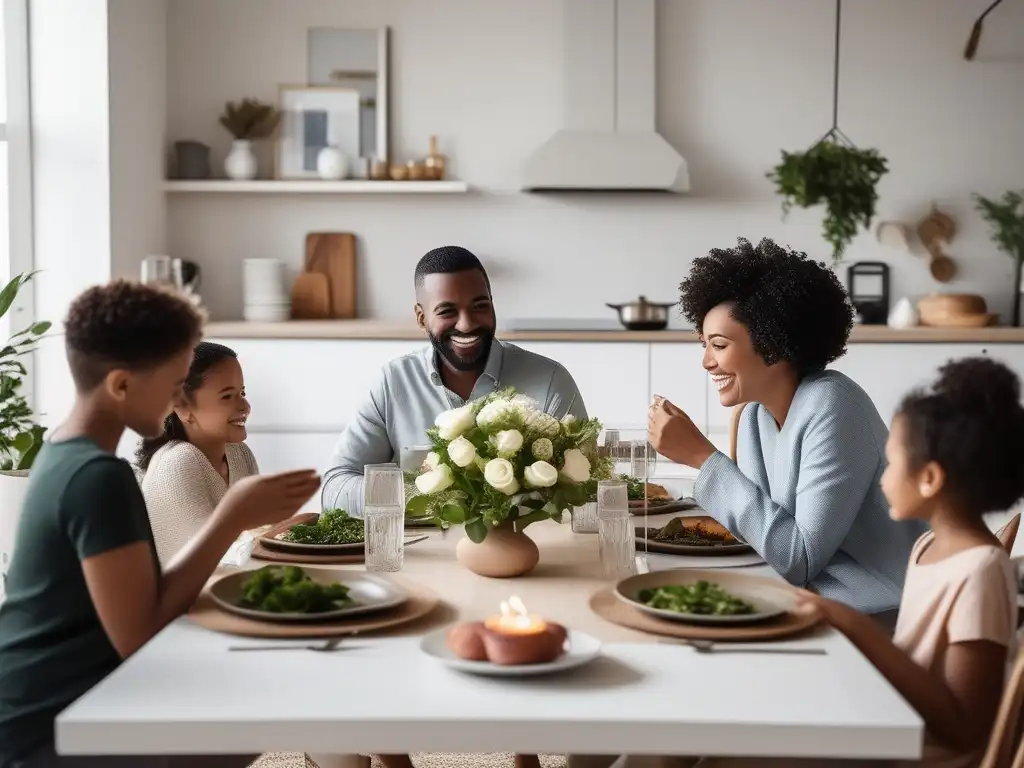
<point x="702" y="597"/>
<point x="287" y="589"/>
<point x="334" y="526"/>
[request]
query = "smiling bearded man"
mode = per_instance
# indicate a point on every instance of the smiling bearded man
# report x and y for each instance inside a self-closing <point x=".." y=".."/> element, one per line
<point x="463" y="362"/>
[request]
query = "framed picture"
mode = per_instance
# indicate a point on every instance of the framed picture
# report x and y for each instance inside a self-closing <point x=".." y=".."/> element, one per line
<point x="358" y="59"/>
<point x="314" y="117"/>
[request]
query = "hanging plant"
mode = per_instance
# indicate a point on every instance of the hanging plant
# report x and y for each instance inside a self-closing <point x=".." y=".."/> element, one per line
<point x="834" y="172"/>
<point x="840" y="176"/>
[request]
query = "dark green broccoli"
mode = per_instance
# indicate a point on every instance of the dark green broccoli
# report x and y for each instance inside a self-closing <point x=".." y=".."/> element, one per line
<point x="287" y="589"/>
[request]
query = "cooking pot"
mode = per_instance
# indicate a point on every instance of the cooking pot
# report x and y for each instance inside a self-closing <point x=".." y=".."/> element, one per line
<point x="643" y="315"/>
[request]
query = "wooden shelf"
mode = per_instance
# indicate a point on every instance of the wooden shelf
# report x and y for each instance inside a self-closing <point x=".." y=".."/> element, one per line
<point x="316" y="187"/>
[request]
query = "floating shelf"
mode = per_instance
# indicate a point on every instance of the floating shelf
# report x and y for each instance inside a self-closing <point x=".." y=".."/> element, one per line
<point x="316" y="187"/>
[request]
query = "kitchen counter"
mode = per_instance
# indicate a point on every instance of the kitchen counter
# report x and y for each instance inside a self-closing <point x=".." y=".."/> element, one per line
<point x="397" y="331"/>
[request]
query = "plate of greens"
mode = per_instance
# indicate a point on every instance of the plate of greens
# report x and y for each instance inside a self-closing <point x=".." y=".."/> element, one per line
<point x="334" y="532"/>
<point x="706" y="597"/>
<point x="289" y="593"/>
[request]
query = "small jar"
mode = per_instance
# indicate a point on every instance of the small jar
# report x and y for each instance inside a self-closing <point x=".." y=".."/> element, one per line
<point x="417" y="171"/>
<point x="399" y="172"/>
<point x="379" y="171"/>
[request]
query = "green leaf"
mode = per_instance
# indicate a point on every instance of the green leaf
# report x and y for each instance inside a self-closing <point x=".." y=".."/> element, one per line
<point x="10" y="293"/>
<point x="453" y="513"/>
<point x="524" y="520"/>
<point x="476" y="530"/>
<point x="417" y="506"/>
<point x="533" y="503"/>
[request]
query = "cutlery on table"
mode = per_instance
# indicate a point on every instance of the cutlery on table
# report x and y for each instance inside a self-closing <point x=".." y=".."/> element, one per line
<point x="414" y="539"/>
<point x="324" y="647"/>
<point x="707" y="646"/>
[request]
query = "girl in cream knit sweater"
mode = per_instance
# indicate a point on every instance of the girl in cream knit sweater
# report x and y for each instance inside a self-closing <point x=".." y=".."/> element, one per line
<point x="201" y="452"/>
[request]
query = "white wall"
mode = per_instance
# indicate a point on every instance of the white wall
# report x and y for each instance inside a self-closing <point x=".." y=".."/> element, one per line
<point x="138" y="114"/>
<point x="738" y="81"/>
<point x="97" y="94"/>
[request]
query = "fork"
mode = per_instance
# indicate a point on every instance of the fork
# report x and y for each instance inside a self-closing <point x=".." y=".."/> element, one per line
<point x="324" y="647"/>
<point x="707" y="646"/>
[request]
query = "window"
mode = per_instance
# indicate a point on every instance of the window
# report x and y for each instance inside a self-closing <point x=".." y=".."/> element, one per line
<point x="15" y="166"/>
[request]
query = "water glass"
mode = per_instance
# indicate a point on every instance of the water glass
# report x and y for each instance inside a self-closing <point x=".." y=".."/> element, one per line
<point x="584" y="519"/>
<point x="631" y="452"/>
<point x="413" y="456"/>
<point x="162" y="270"/>
<point x="616" y="537"/>
<point x="384" y="516"/>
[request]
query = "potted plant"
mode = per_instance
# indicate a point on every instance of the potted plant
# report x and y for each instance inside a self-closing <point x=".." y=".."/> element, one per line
<point x="499" y="464"/>
<point x="1006" y="218"/>
<point x="836" y="174"/>
<point x="20" y="436"/>
<point x="246" y="121"/>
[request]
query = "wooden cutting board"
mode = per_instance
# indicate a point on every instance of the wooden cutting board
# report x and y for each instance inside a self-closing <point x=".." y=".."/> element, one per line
<point x="334" y="254"/>
<point x="311" y="298"/>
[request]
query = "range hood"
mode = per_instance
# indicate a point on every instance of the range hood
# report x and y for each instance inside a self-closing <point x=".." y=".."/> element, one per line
<point x="608" y="142"/>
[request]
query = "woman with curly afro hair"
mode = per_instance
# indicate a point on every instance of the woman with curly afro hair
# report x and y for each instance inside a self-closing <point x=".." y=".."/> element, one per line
<point x="810" y="448"/>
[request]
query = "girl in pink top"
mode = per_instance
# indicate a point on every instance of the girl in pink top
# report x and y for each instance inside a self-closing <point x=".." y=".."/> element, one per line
<point x="955" y="452"/>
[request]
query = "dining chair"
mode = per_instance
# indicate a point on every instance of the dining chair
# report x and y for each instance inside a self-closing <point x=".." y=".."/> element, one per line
<point x="734" y="428"/>
<point x="1007" y="535"/>
<point x="1005" y="745"/>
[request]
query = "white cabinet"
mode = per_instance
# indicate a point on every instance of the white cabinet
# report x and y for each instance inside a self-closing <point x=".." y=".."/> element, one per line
<point x="612" y="377"/>
<point x="677" y="373"/>
<point x="302" y="385"/>
<point x="887" y="372"/>
<point x="278" y="451"/>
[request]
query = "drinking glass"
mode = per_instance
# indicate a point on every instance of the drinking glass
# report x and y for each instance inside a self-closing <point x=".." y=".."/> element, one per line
<point x="413" y="456"/>
<point x="616" y="537"/>
<point x="630" y="451"/>
<point x="157" y="270"/>
<point x="384" y="516"/>
<point x="584" y="518"/>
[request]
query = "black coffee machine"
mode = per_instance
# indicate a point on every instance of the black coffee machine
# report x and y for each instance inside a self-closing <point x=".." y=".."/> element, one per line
<point x="867" y="282"/>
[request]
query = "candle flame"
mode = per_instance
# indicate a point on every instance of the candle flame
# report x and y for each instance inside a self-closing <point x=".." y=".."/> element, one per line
<point x="514" y="614"/>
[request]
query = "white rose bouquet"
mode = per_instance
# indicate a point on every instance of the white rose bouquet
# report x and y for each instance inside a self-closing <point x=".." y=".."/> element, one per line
<point x="501" y="458"/>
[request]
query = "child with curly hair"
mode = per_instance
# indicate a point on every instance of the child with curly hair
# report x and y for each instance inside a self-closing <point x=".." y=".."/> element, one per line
<point x="804" y="491"/>
<point x="85" y="589"/>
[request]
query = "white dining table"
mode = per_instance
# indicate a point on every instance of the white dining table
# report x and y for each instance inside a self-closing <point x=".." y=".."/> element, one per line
<point x="185" y="692"/>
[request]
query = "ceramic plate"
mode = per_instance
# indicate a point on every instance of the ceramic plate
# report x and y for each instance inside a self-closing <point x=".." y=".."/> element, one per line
<point x="661" y="547"/>
<point x="370" y="593"/>
<point x="662" y="506"/>
<point x="581" y="649"/>
<point x="768" y="599"/>
<point x="417" y="522"/>
<point x="273" y="542"/>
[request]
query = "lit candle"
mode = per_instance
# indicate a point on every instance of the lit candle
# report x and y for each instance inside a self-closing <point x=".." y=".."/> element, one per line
<point x="514" y="619"/>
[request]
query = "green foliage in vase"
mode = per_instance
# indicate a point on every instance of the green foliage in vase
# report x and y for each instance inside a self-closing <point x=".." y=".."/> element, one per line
<point x="250" y="119"/>
<point x="842" y="177"/>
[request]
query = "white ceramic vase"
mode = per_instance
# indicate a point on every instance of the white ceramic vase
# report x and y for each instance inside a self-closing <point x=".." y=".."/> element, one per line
<point x="13" y="485"/>
<point x="240" y="164"/>
<point x="331" y="164"/>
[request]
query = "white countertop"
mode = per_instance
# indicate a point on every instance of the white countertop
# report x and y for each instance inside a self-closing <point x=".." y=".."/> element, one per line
<point x="185" y="692"/>
<point x="368" y="330"/>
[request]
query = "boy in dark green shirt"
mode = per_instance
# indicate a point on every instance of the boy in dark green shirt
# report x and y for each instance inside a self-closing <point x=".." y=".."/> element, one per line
<point x="84" y="587"/>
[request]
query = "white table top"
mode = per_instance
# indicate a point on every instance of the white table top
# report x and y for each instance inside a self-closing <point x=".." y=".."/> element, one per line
<point x="186" y="693"/>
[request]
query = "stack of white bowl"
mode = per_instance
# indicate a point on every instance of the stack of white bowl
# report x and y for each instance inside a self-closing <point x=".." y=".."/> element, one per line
<point x="266" y="296"/>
